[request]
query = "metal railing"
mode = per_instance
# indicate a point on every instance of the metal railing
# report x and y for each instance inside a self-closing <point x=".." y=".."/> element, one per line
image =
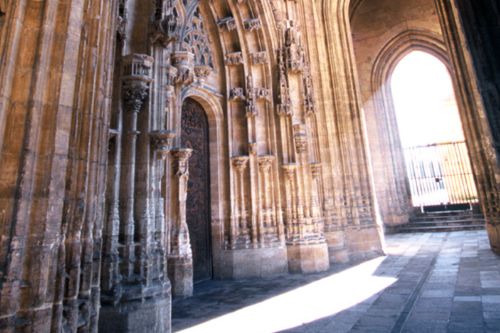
<point x="440" y="174"/>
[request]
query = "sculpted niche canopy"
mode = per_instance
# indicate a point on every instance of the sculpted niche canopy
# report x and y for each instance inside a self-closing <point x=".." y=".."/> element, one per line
<point x="97" y="173"/>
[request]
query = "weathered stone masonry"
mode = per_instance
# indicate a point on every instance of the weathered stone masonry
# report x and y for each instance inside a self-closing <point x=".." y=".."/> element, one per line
<point x="94" y="177"/>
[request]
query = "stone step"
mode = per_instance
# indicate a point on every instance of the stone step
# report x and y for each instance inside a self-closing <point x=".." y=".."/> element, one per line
<point x="446" y="217"/>
<point x="411" y="229"/>
<point x="447" y="222"/>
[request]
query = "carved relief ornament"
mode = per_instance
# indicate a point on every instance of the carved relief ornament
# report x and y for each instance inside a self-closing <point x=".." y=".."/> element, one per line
<point x="237" y="93"/>
<point x="252" y="24"/>
<point x="266" y="162"/>
<point x="184" y="62"/>
<point x="258" y="58"/>
<point x="160" y="140"/>
<point x="235" y="58"/>
<point x="136" y="77"/>
<point x="240" y="162"/>
<point x="227" y="24"/>
<point x="181" y="161"/>
<point x="289" y="170"/>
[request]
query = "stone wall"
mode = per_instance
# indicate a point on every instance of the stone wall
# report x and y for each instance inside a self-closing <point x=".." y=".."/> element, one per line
<point x="56" y="61"/>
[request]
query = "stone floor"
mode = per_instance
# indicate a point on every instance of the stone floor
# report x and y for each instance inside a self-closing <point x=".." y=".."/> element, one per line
<point x="433" y="282"/>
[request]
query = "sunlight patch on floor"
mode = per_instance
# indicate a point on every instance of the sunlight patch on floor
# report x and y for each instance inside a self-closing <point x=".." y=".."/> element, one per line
<point x="306" y="304"/>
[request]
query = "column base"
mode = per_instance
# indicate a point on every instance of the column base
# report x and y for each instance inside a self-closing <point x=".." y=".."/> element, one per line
<point x="180" y="273"/>
<point x="363" y="242"/>
<point x="493" y="230"/>
<point x="146" y="316"/>
<point x="246" y="263"/>
<point x="337" y="251"/>
<point x="308" y="258"/>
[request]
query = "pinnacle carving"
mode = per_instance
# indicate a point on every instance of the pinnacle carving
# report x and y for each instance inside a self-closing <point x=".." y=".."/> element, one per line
<point x="165" y="30"/>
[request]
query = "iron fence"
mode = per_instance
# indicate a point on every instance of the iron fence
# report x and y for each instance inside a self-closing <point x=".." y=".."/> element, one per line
<point x="440" y="174"/>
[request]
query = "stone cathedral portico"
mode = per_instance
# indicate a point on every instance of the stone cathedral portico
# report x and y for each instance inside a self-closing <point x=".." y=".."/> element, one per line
<point x="147" y="145"/>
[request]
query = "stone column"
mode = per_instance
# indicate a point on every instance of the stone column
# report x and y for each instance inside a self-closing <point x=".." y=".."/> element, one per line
<point x="160" y="142"/>
<point x="242" y="231"/>
<point x="180" y="258"/>
<point x="268" y="229"/>
<point x="292" y="230"/>
<point x="307" y="251"/>
<point x="134" y="92"/>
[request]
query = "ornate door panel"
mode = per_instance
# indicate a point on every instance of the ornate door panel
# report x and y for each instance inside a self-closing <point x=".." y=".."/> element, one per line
<point x="194" y="134"/>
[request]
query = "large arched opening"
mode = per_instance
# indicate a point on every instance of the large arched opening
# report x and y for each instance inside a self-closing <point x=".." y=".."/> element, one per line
<point x="428" y="122"/>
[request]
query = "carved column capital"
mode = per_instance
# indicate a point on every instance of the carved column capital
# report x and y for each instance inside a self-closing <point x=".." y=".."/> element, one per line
<point x="289" y="170"/>
<point x="136" y="77"/>
<point x="181" y="161"/>
<point x="300" y="135"/>
<point x="160" y="140"/>
<point x="266" y="162"/>
<point x="316" y="168"/>
<point x="134" y="95"/>
<point x="240" y="162"/>
<point x="202" y="72"/>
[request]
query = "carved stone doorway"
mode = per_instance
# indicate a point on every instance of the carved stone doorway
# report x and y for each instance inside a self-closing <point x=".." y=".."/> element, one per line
<point x="194" y="134"/>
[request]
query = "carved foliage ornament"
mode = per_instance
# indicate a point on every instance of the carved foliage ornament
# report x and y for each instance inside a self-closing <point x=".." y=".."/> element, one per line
<point x="134" y="96"/>
<point x="160" y="140"/>
<point x="240" y="162"/>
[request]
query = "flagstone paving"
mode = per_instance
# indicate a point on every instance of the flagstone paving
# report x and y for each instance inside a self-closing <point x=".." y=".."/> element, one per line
<point x="432" y="282"/>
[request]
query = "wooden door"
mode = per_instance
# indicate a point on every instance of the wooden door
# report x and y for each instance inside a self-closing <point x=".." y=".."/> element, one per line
<point x="194" y="134"/>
